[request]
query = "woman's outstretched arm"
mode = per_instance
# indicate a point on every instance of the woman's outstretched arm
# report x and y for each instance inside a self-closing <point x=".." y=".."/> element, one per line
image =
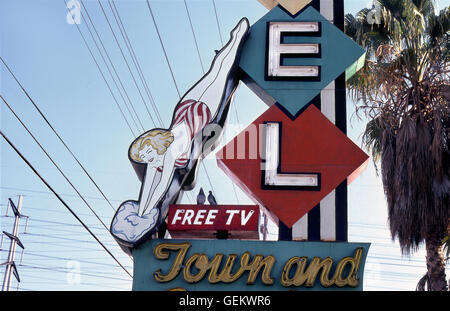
<point x="163" y="184"/>
<point x="148" y="186"/>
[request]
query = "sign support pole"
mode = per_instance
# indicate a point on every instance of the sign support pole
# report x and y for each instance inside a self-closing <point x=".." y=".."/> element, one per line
<point x="284" y="232"/>
<point x="328" y="220"/>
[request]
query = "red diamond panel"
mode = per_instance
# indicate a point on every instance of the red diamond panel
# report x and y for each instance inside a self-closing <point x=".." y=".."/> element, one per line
<point x="310" y="143"/>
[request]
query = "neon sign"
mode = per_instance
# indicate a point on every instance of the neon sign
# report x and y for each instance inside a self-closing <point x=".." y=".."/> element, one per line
<point x="221" y="265"/>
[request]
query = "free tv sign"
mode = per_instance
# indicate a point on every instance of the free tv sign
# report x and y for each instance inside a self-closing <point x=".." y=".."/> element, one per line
<point x="204" y="221"/>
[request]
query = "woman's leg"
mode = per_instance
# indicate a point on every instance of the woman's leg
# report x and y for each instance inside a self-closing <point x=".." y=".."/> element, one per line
<point x="210" y="88"/>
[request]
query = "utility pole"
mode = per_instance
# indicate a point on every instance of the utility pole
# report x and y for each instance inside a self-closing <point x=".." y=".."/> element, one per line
<point x="10" y="264"/>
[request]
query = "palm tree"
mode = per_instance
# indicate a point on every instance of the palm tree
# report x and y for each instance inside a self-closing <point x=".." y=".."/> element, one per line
<point x="403" y="90"/>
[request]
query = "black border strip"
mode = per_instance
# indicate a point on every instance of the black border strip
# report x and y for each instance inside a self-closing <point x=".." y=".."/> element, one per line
<point x="314" y="224"/>
<point x="338" y="13"/>
<point x="315" y="101"/>
<point x="314" y="213"/>
<point x="341" y="191"/>
<point x="315" y="4"/>
<point x="284" y="232"/>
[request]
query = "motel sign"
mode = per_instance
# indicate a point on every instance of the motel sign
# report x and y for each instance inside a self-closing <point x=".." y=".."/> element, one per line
<point x="296" y="58"/>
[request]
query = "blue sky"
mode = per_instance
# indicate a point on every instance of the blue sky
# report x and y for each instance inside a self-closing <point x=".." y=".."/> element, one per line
<point x="49" y="57"/>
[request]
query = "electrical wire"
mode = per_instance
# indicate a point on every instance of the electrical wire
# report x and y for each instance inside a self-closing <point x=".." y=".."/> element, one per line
<point x="43" y="235"/>
<point x="126" y="62"/>
<point x="54" y="163"/>
<point x="193" y="34"/>
<point x="104" y="78"/>
<point x="72" y="247"/>
<point x="82" y="260"/>
<point x="113" y="67"/>
<point x="46" y="192"/>
<point x="136" y="63"/>
<point x="221" y="40"/>
<point x="54" y="223"/>
<point x="82" y="283"/>
<point x="56" y="133"/>
<point x="50" y="210"/>
<point x="217" y="21"/>
<point x="163" y="48"/>
<point x="62" y="201"/>
<point x="65" y="270"/>
<point x="49" y="258"/>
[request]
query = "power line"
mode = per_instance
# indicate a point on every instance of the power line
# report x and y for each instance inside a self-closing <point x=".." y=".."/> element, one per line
<point x="74" y="248"/>
<point x="53" y="211"/>
<point x="59" y="283"/>
<point x="63" y="227"/>
<point x="54" y="163"/>
<point x="98" y="267"/>
<point x="129" y="46"/>
<point x="164" y="49"/>
<point x="235" y="193"/>
<point x="78" y="249"/>
<point x="54" y="229"/>
<point x="56" y="133"/>
<point x="46" y="192"/>
<point x="104" y="78"/>
<point x="60" y="228"/>
<point x="69" y="169"/>
<point x="65" y="270"/>
<point x="126" y="62"/>
<point x="43" y="235"/>
<point x="83" y="260"/>
<point x="62" y="201"/>
<point x="27" y="289"/>
<point x="43" y="240"/>
<point x="53" y="223"/>
<point x="217" y="20"/>
<point x="113" y="67"/>
<point x="57" y="230"/>
<point x="195" y="38"/>
<point x="221" y="41"/>
<point x="134" y="59"/>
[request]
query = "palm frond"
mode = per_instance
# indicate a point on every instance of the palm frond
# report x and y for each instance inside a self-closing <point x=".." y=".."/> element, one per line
<point x="423" y="284"/>
<point x="372" y="138"/>
<point x="446" y="247"/>
<point x="401" y="90"/>
<point x="438" y="26"/>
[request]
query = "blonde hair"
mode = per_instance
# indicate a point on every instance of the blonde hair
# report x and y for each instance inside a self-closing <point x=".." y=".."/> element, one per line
<point x="160" y="140"/>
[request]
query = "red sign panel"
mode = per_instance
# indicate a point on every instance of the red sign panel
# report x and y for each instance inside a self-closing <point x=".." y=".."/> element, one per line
<point x="203" y="221"/>
<point x="288" y="165"/>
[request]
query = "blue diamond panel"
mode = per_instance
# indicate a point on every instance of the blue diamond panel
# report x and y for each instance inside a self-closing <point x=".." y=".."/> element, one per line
<point x="338" y="52"/>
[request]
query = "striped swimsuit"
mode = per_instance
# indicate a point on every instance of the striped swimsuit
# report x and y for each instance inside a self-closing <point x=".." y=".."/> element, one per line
<point x="196" y="115"/>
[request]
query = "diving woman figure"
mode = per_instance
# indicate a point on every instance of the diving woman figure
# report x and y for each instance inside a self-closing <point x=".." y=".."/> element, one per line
<point x="166" y="160"/>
